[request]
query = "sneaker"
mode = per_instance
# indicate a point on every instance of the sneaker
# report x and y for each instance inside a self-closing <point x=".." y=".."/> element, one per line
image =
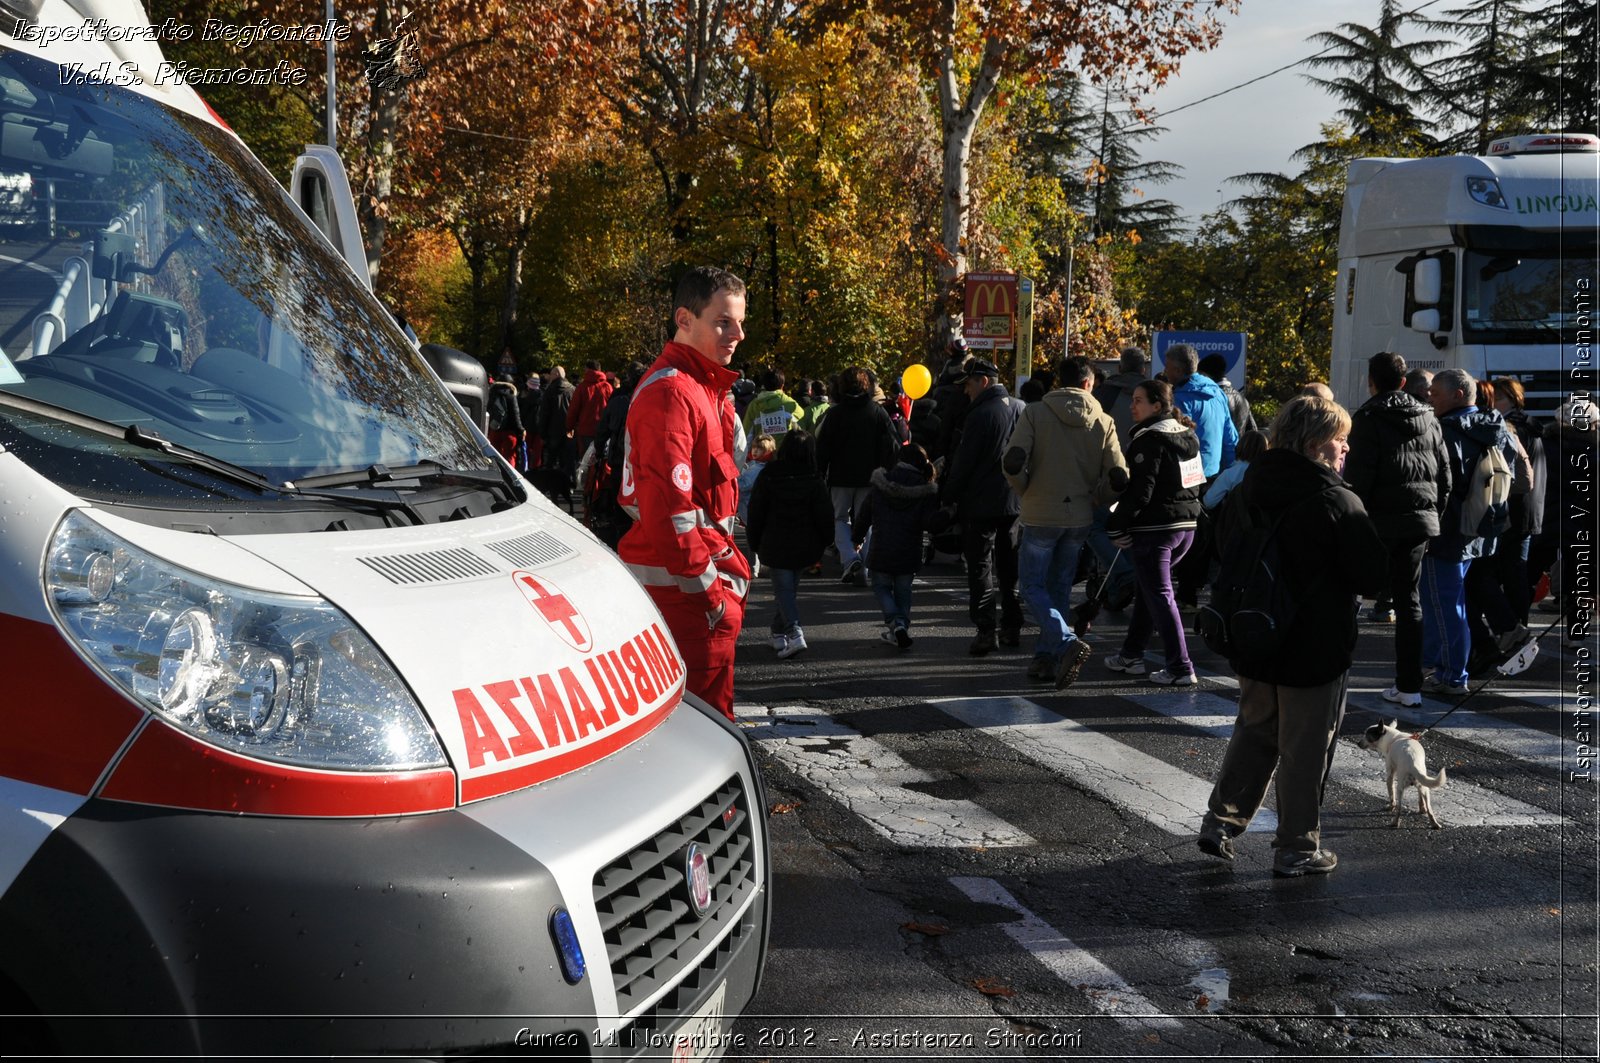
<point x="982" y="644"/>
<point x="796" y="644"/>
<point x="1043" y="666"/>
<point x="902" y="637"/>
<point x="1129" y="665"/>
<point x="886" y="635"/>
<point x="1432" y="684"/>
<point x="1513" y="640"/>
<point x="1381" y="616"/>
<point x="1162" y="677"/>
<point x="852" y="572"/>
<point x="1214" y="841"/>
<point x="1290" y="864"/>
<point x="1406" y="700"/>
<point x="779" y="642"/>
<point x="1071" y="662"/>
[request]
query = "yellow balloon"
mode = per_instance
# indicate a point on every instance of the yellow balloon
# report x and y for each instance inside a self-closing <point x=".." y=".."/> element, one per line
<point x="916" y="381"/>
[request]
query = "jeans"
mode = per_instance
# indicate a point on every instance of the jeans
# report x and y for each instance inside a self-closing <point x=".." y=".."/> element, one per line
<point x="1405" y="574"/>
<point x="1155" y="609"/>
<point x="1445" y="635"/>
<point x="846" y="504"/>
<point x="893" y="591"/>
<point x="1116" y="564"/>
<point x="1047" y="563"/>
<point x="991" y="573"/>
<point x="785" y="593"/>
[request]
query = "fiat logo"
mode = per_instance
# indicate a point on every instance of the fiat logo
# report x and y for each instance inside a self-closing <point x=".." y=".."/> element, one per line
<point x="697" y="876"/>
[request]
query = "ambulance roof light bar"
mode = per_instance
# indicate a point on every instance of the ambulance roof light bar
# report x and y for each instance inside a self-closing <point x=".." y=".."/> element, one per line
<point x="1545" y="143"/>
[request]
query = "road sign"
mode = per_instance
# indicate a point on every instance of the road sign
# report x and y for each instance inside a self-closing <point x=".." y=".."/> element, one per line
<point x="1228" y="344"/>
<point x="989" y="312"/>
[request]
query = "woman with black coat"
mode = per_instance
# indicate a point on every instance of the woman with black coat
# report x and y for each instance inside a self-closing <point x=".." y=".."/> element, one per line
<point x="790" y="525"/>
<point x="1291" y="701"/>
<point x="1154" y="523"/>
<point x="902" y="504"/>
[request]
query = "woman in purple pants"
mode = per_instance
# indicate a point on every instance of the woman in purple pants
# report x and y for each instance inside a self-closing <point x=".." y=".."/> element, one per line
<point x="1154" y="522"/>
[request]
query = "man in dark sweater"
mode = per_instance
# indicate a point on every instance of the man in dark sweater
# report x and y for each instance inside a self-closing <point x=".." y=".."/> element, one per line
<point x="987" y="507"/>
<point x="1399" y="469"/>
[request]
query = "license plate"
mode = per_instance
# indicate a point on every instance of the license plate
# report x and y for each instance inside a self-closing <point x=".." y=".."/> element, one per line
<point x="700" y="1036"/>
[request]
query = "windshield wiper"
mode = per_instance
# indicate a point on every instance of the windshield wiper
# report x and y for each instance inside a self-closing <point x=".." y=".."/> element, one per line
<point x="422" y="471"/>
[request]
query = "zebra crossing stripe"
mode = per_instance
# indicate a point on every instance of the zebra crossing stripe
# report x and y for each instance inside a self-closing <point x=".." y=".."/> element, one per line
<point x="1460" y="804"/>
<point x="873" y="781"/>
<point x="1105" y="988"/>
<point x="1165" y="796"/>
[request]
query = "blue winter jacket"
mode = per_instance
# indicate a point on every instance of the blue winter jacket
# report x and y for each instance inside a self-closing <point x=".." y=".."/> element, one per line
<point x="1204" y="403"/>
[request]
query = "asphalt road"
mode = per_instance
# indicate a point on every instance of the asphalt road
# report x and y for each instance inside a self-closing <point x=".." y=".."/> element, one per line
<point x="971" y="864"/>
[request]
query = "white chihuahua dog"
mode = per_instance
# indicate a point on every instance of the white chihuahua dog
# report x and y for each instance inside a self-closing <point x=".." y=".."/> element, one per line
<point x="1406" y="764"/>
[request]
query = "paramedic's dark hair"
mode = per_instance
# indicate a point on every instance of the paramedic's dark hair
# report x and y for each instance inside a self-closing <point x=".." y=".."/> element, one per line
<point x="699" y="284"/>
<point x="1387" y="371"/>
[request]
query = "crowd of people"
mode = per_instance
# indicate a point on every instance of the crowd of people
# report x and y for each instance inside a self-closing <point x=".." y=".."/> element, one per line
<point x="1433" y="499"/>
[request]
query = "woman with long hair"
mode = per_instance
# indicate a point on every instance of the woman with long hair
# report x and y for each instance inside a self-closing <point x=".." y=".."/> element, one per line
<point x="1154" y="523"/>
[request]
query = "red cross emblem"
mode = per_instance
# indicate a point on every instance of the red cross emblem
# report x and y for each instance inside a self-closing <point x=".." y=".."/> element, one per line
<point x="559" y="612"/>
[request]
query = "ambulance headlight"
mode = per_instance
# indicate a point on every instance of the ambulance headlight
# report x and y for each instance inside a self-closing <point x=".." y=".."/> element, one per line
<point x="265" y="675"/>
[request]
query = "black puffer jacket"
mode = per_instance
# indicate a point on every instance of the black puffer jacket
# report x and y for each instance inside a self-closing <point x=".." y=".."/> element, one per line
<point x="1329" y="552"/>
<point x="973" y="482"/>
<point x="1527" y="509"/>
<point x="1398" y="466"/>
<point x="902" y="504"/>
<point x="791" y="519"/>
<point x="1155" y="498"/>
<point x="855" y="438"/>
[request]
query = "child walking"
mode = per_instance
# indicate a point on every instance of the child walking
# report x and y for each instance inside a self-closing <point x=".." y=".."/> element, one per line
<point x="901" y="504"/>
<point x="790" y="524"/>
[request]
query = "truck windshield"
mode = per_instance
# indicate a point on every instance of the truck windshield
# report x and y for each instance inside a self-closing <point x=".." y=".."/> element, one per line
<point x="1526" y="296"/>
<point x="153" y="274"/>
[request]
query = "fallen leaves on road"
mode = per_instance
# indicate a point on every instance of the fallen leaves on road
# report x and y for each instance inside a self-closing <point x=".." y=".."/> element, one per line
<point x="782" y="808"/>
<point x="932" y="930"/>
<point x="1202" y="1002"/>
<point x="991" y="987"/>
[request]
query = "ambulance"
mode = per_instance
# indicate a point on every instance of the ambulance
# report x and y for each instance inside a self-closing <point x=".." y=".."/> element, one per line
<point x="1480" y="263"/>
<point x="320" y="731"/>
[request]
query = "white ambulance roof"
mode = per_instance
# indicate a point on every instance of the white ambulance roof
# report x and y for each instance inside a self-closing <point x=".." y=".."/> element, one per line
<point x="89" y="33"/>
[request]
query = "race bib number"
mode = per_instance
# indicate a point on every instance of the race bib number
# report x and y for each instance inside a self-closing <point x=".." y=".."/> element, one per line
<point x="1192" y="472"/>
<point x="682" y="479"/>
<point x="774" y="422"/>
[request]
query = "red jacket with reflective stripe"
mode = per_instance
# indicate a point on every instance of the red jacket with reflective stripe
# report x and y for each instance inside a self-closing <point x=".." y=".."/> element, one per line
<point x="680" y="482"/>
<point x="588" y="403"/>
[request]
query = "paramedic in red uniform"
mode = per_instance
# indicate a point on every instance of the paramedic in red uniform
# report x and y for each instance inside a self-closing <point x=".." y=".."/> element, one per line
<point x="680" y="483"/>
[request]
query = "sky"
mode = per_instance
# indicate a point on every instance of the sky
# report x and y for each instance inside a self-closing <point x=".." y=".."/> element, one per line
<point x="1260" y="126"/>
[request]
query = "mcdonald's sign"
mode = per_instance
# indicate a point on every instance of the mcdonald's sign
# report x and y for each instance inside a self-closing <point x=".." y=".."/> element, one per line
<point x="989" y="318"/>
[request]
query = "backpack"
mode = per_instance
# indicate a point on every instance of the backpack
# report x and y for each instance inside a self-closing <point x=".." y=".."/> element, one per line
<point x="1486" y="507"/>
<point x="1251" y="607"/>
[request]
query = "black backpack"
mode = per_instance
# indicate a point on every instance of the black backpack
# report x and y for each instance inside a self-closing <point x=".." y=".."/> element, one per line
<point x="1251" y="607"/>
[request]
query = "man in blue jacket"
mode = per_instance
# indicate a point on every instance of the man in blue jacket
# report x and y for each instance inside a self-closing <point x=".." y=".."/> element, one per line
<point x="1199" y="397"/>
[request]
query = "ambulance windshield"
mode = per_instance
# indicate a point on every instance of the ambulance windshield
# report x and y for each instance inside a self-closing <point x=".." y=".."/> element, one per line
<point x="154" y="276"/>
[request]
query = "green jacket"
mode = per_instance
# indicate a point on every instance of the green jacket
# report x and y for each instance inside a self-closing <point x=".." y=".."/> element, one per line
<point x="771" y="412"/>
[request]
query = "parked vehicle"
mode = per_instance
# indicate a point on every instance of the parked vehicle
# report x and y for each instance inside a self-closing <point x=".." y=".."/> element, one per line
<point x="1482" y="263"/>
<point x="323" y="732"/>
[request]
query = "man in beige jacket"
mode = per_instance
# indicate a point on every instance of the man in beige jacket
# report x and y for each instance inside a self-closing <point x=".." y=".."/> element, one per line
<point x="1062" y="457"/>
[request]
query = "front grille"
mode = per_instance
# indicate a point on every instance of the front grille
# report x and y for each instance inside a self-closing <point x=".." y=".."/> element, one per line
<point x="651" y="933"/>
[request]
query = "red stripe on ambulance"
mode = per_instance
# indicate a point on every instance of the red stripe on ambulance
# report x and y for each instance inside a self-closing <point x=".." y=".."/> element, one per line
<point x="566" y="719"/>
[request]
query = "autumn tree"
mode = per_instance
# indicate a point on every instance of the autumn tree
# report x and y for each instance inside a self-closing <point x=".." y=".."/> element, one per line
<point x="972" y="47"/>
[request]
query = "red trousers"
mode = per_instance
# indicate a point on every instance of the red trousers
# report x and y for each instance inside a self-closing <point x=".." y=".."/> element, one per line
<point x="707" y="652"/>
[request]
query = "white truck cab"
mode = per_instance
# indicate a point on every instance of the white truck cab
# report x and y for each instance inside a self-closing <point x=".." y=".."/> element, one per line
<point x="1482" y="263"/>
<point x="322" y="732"/>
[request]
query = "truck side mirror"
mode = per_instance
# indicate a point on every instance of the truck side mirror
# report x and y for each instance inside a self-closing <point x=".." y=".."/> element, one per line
<point x="1427" y="284"/>
<point x="1425" y="321"/>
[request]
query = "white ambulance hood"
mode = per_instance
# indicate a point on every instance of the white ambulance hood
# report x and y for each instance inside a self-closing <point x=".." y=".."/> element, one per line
<point x="536" y="653"/>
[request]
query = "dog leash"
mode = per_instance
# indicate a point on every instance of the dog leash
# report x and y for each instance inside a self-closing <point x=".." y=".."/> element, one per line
<point x="1481" y="687"/>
